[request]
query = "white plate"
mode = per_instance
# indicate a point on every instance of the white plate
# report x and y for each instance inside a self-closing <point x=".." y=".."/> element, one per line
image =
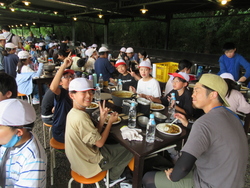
<point x="160" y="107"/>
<point x="106" y="122"/>
<point x="93" y="105"/>
<point x="161" y="128"/>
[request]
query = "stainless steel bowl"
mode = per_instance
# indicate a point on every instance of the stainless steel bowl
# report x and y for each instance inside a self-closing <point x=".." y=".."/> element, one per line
<point x="143" y="121"/>
<point x="160" y="117"/>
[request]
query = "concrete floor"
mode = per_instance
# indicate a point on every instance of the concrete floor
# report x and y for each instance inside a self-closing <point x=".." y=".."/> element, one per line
<point x="62" y="170"/>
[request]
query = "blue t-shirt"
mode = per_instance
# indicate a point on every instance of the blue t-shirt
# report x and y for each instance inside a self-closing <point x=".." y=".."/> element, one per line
<point x="63" y="105"/>
<point x="102" y="65"/>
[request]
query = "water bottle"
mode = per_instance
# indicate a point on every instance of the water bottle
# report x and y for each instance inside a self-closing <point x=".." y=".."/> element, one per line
<point x="199" y="71"/>
<point x="150" y="132"/>
<point x="132" y="116"/>
<point x="119" y="85"/>
<point x="94" y="79"/>
<point x="97" y="93"/>
<point x="100" y="81"/>
<point x="171" y="107"/>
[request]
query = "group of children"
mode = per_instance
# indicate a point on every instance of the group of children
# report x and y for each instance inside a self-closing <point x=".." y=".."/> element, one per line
<point x="84" y="142"/>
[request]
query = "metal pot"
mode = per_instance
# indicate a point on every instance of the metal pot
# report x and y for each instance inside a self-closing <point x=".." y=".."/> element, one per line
<point x="119" y="96"/>
<point x="49" y="67"/>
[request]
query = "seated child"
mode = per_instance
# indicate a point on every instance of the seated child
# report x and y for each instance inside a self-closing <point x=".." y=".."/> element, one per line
<point x="128" y="78"/>
<point x="91" y="155"/>
<point x="182" y="95"/>
<point x="235" y="98"/>
<point x="147" y="86"/>
<point x="62" y="101"/>
<point x="23" y="159"/>
<point x="8" y="87"/>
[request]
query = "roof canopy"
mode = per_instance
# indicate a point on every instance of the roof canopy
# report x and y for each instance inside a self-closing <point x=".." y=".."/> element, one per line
<point x="42" y="12"/>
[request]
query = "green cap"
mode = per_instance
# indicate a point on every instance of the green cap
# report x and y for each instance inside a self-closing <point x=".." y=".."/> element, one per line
<point x="215" y="83"/>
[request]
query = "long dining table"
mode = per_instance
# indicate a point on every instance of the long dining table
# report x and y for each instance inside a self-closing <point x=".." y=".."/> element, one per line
<point x="141" y="149"/>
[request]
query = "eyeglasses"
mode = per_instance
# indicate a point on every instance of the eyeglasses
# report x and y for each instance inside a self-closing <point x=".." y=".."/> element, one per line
<point x="175" y="81"/>
<point x="91" y="92"/>
<point x="68" y="76"/>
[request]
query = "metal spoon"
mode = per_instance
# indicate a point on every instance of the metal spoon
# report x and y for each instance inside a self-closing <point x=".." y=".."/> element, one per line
<point x="167" y="127"/>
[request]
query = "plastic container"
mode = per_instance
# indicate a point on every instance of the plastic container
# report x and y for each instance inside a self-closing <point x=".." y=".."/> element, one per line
<point x="150" y="132"/>
<point x="162" y="70"/>
<point x="132" y="116"/>
<point x="119" y="85"/>
<point x="100" y="81"/>
<point x="94" y="79"/>
<point x="171" y="107"/>
<point x="97" y="93"/>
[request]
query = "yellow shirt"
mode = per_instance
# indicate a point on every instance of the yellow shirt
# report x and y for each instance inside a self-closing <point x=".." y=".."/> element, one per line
<point x="80" y="138"/>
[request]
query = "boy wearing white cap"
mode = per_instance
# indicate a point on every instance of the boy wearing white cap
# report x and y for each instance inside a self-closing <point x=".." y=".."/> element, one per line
<point x="128" y="78"/>
<point x="92" y="56"/>
<point x="23" y="159"/>
<point x="182" y="94"/>
<point x="147" y="86"/>
<point x="62" y="101"/>
<point x="85" y="144"/>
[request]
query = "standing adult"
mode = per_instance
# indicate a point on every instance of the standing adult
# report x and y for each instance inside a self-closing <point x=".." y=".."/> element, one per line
<point x="216" y="152"/>
<point x="2" y="45"/>
<point x="10" y="37"/>
<point x="103" y="66"/>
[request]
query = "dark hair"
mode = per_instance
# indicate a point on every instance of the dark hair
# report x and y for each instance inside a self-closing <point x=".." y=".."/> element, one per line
<point x="228" y="46"/>
<point x="81" y="62"/>
<point x="32" y="46"/>
<point x="63" y="53"/>
<point x="5" y="27"/>
<point x="28" y="127"/>
<point x="67" y="38"/>
<point x="144" y="54"/>
<point x="20" y="65"/>
<point x="231" y="85"/>
<point x="8" y="83"/>
<point x="181" y="79"/>
<point x="209" y="90"/>
<point x="102" y="53"/>
<point x="184" y="64"/>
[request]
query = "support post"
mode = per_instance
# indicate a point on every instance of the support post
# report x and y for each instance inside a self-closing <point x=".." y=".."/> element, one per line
<point x="106" y="25"/>
<point x="168" y="21"/>
<point x="73" y="33"/>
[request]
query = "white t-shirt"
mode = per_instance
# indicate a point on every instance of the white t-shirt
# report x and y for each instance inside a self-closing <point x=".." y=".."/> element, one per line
<point x="151" y="87"/>
<point x="169" y="85"/>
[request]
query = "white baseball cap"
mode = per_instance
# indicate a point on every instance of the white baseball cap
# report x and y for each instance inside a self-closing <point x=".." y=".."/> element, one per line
<point x="181" y="75"/>
<point x="23" y="55"/>
<point x="227" y="76"/>
<point x="94" y="46"/>
<point x="10" y="45"/>
<point x="89" y="52"/>
<point x="84" y="44"/>
<point x="2" y="37"/>
<point x="81" y="84"/>
<point x="51" y="45"/>
<point x="123" y="49"/>
<point x="103" y="49"/>
<point x="145" y="64"/>
<point x="16" y="112"/>
<point x="41" y="44"/>
<point x="129" y="50"/>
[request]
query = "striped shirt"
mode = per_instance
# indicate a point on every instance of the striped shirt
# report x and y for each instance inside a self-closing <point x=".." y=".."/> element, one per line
<point x="26" y="166"/>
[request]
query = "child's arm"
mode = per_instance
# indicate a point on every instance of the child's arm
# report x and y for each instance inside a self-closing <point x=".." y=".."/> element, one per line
<point x="113" y="81"/>
<point x="56" y="81"/>
<point x="133" y="74"/>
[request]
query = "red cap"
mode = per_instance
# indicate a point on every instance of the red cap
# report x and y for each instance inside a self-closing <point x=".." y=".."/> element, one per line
<point x="181" y="75"/>
<point x="68" y="71"/>
<point x="120" y="62"/>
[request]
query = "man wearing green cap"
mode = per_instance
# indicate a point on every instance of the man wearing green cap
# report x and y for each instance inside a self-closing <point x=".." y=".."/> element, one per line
<point x="216" y="152"/>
